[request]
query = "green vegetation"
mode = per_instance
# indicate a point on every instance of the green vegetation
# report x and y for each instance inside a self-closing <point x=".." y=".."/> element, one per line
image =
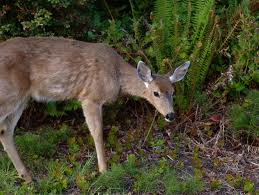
<point x="245" y="118"/>
<point x="186" y="30"/>
<point x="55" y="109"/>
<point x="62" y="163"/>
<point x="216" y="105"/>
<point x="47" y="18"/>
<point x="57" y="173"/>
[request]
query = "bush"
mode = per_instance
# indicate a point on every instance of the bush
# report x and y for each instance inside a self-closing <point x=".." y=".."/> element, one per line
<point x="48" y="18"/>
<point x="244" y="118"/>
<point x="244" y="51"/>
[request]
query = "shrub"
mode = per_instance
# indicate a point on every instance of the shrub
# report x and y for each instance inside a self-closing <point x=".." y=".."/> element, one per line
<point x="48" y="18"/>
<point x="244" y="118"/>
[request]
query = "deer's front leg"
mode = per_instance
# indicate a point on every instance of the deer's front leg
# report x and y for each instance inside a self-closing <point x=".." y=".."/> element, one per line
<point x="93" y="117"/>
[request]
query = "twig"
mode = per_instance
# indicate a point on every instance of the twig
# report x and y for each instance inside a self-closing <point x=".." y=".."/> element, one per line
<point x="152" y="123"/>
<point x="196" y="112"/>
<point x="217" y="138"/>
<point x="140" y="52"/>
<point x="107" y="7"/>
<point x="183" y="121"/>
<point x="132" y="10"/>
<point x="199" y="145"/>
<point x="254" y="163"/>
<point x="229" y="35"/>
<point x="200" y="134"/>
<point x="229" y="186"/>
<point x="221" y="130"/>
<point x="170" y="158"/>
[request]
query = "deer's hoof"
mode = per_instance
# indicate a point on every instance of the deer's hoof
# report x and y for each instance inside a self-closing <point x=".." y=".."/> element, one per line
<point x="26" y="177"/>
<point x="103" y="169"/>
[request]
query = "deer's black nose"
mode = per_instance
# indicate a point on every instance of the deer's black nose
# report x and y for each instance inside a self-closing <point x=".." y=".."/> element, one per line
<point x="170" y="117"/>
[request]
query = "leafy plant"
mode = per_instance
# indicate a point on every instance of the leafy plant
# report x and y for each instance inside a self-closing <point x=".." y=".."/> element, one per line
<point x="182" y="30"/>
<point x="192" y="30"/>
<point x="57" y="180"/>
<point x="173" y="185"/>
<point x="28" y="143"/>
<point x="112" y="180"/>
<point x="234" y="181"/>
<point x="47" y="17"/>
<point x="114" y="33"/>
<point x="215" y="184"/>
<point x="238" y="49"/>
<point x="248" y="186"/>
<point x="245" y="67"/>
<point x="244" y="118"/>
<point x="147" y="181"/>
<point x="57" y="109"/>
<point x="161" y="176"/>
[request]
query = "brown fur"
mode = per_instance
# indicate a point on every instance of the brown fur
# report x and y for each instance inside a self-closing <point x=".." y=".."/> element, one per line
<point x="59" y="69"/>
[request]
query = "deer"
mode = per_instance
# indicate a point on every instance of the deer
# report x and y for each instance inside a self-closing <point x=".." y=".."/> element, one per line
<point x="57" y="69"/>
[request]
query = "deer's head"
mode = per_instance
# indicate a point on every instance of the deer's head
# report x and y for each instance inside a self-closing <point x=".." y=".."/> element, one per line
<point x="160" y="89"/>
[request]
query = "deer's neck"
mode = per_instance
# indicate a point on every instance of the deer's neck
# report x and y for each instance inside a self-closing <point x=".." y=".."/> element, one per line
<point x="130" y="83"/>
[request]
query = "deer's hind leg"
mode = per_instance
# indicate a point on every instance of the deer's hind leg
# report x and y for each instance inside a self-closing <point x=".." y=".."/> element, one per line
<point x="7" y="125"/>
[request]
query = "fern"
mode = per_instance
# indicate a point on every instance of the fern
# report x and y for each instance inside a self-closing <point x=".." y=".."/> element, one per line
<point x="163" y="12"/>
<point x="55" y="109"/>
<point x="175" y="31"/>
<point x="158" y="42"/>
<point x="51" y="109"/>
<point x="187" y="20"/>
<point x="233" y="13"/>
<point x="189" y="31"/>
<point x="206" y="55"/>
<point x="72" y="105"/>
<point x="203" y="52"/>
<point x="163" y="26"/>
<point x="200" y="18"/>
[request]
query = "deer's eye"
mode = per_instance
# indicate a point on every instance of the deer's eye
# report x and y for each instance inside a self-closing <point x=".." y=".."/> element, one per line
<point x="156" y="94"/>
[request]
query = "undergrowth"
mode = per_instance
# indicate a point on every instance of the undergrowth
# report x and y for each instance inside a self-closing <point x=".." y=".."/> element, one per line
<point x="56" y="173"/>
<point x="213" y="37"/>
<point x="220" y="40"/>
<point x="244" y="117"/>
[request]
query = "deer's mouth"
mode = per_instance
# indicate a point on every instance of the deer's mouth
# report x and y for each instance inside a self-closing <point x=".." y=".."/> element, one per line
<point x="169" y="121"/>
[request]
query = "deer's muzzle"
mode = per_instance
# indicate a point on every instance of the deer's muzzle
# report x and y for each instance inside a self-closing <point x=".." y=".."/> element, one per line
<point x="170" y="117"/>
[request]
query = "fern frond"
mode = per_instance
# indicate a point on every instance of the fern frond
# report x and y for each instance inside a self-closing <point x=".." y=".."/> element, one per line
<point x="203" y="54"/>
<point x="201" y="17"/>
<point x="163" y="11"/>
<point x="162" y="29"/>
<point x="233" y="24"/>
<point x="187" y="23"/>
<point x="175" y="22"/>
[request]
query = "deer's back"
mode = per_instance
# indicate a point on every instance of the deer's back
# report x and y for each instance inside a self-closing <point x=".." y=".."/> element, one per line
<point x="58" y="69"/>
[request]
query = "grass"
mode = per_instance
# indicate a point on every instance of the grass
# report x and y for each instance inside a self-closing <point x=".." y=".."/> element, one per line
<point x="63" y="161"/>
<point x="56" y="172"/>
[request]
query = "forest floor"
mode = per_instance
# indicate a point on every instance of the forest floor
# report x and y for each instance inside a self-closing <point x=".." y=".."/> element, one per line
<point x="146" y="155"/>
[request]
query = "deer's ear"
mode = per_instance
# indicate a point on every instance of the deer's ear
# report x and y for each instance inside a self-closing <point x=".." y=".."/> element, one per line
<point x="180" y="72"/>
<point x="144" y="73"/>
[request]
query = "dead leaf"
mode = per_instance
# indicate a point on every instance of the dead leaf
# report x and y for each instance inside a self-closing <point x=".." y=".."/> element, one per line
<point x="216" y="118"/>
